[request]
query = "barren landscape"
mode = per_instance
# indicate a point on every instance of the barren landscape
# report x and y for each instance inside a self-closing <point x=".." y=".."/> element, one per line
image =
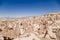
<point x="45" y="27"/>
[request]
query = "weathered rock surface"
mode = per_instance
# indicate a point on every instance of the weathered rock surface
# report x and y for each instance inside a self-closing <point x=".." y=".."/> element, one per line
<point x="46" y="27"/>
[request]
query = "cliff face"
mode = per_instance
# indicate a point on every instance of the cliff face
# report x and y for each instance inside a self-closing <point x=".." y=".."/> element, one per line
<point x="46" y="27"/>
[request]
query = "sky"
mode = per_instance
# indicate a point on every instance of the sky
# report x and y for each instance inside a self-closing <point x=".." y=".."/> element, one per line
<point x="23" y="8"/>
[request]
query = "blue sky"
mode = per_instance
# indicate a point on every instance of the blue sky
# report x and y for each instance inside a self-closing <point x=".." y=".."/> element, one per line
<point x="22" y="8"/>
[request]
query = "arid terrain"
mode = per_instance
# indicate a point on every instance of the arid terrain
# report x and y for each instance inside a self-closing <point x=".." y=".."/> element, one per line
<point x="45" y="27"/>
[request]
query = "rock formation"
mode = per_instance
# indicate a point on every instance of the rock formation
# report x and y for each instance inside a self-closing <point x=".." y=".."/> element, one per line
<point x="46" y="27"/>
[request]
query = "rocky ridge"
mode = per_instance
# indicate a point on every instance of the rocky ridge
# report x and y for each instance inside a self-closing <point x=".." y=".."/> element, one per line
<point x="46" y="27"/>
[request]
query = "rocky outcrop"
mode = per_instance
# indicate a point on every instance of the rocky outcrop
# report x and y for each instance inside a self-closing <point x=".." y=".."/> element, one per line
<point x="46" y="27"/>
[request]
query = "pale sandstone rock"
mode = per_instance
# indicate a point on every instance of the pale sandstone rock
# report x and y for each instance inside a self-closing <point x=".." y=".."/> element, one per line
<point x="36" y="28"/>
<point x="30" y="37"/>
<point x="1" y="38"/>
